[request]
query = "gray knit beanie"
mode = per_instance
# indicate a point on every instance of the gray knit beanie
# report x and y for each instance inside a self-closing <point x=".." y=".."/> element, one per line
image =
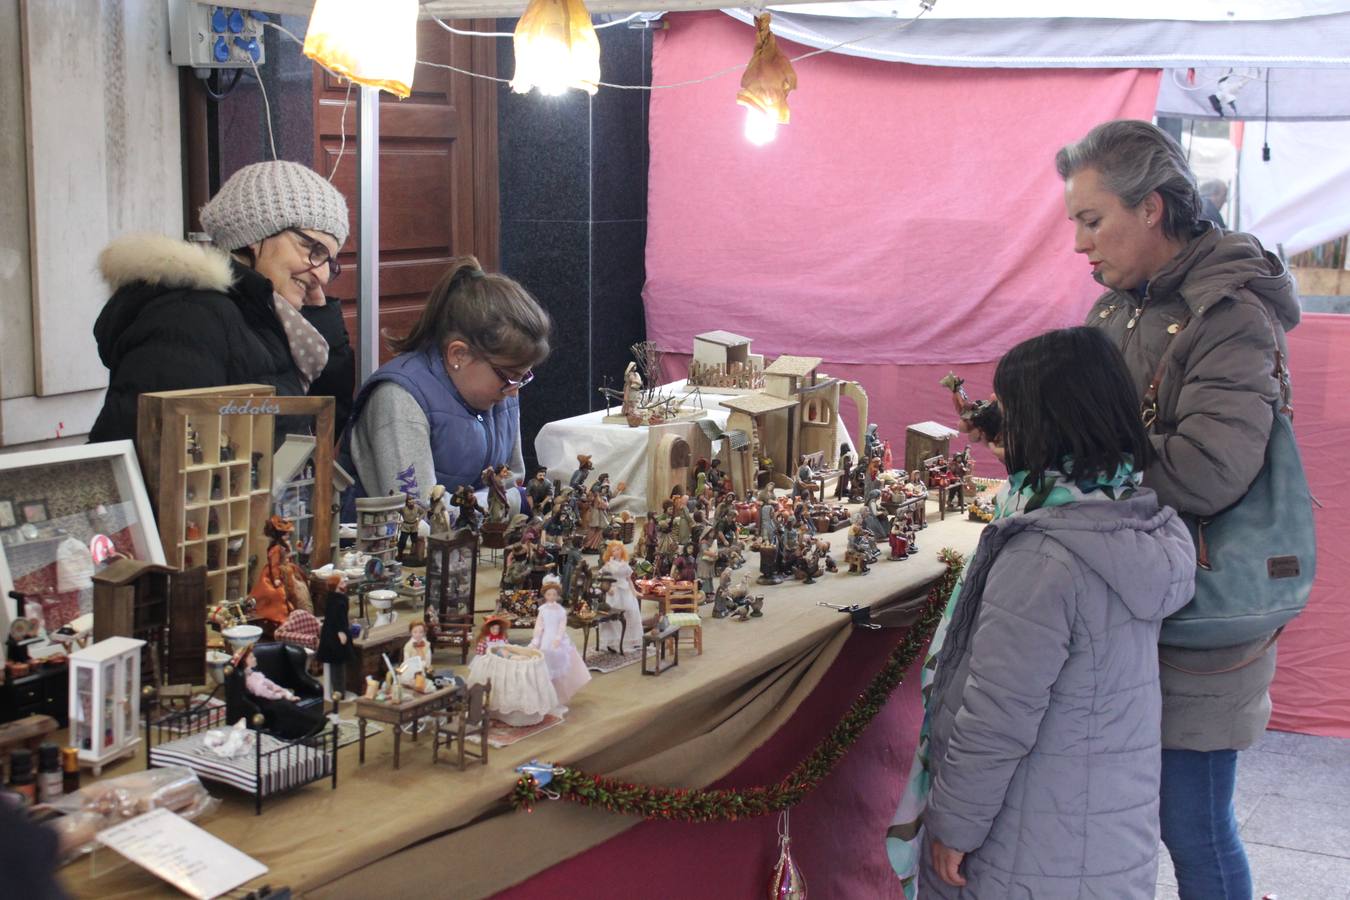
<point x="266" y="198"/>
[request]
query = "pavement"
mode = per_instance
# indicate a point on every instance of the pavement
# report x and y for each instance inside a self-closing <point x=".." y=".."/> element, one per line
<point x="1293" y="806"/>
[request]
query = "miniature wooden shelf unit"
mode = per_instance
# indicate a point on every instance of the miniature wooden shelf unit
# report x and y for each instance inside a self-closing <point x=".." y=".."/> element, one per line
<point x="207" y="457"/>
<point x="377" y="521"/>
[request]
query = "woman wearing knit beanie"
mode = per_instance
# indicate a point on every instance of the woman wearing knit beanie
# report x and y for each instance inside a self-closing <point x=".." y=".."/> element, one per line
<point x="249" y="309"/>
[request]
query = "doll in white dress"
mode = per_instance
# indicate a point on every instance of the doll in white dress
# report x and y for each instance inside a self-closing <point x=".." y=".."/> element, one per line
<point x="566" y="669"/>
<point x="622" y="596"/>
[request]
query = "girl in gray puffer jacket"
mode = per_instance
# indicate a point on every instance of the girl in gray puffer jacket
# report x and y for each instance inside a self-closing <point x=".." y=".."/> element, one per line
<point x="1045" y="709"/>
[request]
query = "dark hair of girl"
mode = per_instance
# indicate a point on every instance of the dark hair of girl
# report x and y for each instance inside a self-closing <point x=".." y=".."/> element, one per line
<point x="1067" y="394"/>
<point x="491" y="313"/>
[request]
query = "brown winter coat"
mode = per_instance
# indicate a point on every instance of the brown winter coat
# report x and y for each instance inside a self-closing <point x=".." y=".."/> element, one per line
<point x="1209" y="442"/>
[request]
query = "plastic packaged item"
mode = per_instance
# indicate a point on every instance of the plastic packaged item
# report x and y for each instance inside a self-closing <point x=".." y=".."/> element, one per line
<point x="106" y="803"/>
<point x="127" y="796"/>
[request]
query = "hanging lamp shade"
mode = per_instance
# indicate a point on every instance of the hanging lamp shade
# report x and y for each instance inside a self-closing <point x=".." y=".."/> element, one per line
<point x="768" y="78"/>
<point x="556" y="48"/>
<point x="374" y="44"/>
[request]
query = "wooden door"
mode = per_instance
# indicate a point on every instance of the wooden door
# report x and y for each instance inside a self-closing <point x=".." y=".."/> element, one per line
<point x="186" y="663"/>
<point x="438" y="172"/>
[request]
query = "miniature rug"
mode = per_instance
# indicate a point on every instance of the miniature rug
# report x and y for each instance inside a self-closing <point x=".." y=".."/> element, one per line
<point x="603" y="661"/>
<point x="349" y="732"/>
<point x="502" y="735"/>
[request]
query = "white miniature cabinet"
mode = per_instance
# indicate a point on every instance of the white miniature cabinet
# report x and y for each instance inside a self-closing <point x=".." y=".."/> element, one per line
<point x="105" y="700"/>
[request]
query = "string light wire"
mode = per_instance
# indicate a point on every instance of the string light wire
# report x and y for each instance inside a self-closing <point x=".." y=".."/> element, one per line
<point x="924" y="6"/>
<point x="267" y="106"/>
<point x="342" y="127"/>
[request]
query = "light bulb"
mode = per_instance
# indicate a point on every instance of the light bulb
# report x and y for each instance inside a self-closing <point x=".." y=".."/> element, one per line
<point x="759" y="128"/>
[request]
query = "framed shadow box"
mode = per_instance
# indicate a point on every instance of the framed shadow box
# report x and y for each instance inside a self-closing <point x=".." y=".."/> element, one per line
<point x="71" y="509"/>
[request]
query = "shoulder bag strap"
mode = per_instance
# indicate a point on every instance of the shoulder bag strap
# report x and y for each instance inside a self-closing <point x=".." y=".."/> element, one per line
<point x="1148" y="410"/>
<point x="1281" y="370"/>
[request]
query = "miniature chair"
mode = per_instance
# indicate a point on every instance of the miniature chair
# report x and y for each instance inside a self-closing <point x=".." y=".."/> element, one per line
<point x="681" y="608"/>
<point x="470" y="717"/>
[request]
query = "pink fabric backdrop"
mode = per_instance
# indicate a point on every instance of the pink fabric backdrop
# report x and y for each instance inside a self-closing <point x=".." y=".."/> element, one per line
<point x="909" y="221"/>
<point x="909" y="214"/>
<point x="1311" y="693"/>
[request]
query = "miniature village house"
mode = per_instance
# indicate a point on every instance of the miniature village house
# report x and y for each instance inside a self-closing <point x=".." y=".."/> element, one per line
<point x="723" y="362"/>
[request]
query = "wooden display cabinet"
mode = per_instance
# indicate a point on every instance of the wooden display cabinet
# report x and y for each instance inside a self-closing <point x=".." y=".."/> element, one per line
<point x="160" y="606"/>
<point x="207" y="458"/>
<point x="105" y="700"/>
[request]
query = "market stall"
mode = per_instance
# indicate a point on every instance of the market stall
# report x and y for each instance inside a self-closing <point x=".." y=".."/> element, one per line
<point x="435" y="824"/>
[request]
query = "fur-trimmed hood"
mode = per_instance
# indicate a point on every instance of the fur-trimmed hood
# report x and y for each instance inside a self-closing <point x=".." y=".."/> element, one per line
<point x="164" y="262"/>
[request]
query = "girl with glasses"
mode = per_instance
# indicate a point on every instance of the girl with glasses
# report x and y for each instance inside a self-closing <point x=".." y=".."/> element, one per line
<point x="446" y="410"/>
<point x="247" y="309"/>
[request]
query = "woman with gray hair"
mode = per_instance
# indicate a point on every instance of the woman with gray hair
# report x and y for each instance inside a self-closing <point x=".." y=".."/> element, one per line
<point x="1207" y="310"/>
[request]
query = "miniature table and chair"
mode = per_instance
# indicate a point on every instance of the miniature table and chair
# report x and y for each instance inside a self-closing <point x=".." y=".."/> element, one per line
<point x="411" y="711"/>
<point x="586" y="623"/>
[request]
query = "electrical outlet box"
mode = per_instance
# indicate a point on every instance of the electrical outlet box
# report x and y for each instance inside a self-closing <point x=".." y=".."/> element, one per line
<point x="212" y="36"/>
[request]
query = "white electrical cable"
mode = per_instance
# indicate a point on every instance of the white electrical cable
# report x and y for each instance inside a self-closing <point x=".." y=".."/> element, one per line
<point x="423" y="62"/>
<point x="898" y="26"/>
<point x="342" y="127"/>
<point x="506" y="34"/>
<point x="283" y="30"/>
<point x="267" y="106"/>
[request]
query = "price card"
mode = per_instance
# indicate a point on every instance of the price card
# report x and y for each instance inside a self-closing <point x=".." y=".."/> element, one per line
<point x="193" y="860"/>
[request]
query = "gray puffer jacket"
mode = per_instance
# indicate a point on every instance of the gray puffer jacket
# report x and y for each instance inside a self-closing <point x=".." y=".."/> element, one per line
<point x="1045" y="743"/>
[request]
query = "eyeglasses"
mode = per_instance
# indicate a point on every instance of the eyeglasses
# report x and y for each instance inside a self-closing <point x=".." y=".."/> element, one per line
<point x="509" y="383"/>
<point x="318" y="253"/>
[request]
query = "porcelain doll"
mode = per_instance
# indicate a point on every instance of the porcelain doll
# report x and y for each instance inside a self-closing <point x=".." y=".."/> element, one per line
<point x="622" y="595"/>
<point x="566" y="668"/>
<point x="418" y="645"/>
<point x="279" y="705"/>
<point x="334" y="648"/>
<point x="492" y="631"/>
<point x="275" y="593"/>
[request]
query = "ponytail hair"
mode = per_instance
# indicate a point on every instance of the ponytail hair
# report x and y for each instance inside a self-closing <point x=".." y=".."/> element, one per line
<point x="491" y="313"/>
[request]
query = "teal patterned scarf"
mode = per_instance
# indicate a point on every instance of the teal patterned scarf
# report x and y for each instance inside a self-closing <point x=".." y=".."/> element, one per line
<point x="1018" y="496"/>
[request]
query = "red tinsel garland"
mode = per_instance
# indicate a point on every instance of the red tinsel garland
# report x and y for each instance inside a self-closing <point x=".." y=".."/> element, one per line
<point x="696" y="805"/>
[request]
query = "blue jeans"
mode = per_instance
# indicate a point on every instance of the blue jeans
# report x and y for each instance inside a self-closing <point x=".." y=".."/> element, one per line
<point x="1199" y="827"/>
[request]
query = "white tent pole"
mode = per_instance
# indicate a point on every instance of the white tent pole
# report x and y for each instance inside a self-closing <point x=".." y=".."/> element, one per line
<point x="368" y="250"/>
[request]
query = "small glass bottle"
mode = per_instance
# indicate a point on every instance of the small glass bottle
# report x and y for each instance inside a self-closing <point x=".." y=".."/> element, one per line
<point x="21" y="778"/>
<point x="70" y="770"/>
<point x="49" y="779"/>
